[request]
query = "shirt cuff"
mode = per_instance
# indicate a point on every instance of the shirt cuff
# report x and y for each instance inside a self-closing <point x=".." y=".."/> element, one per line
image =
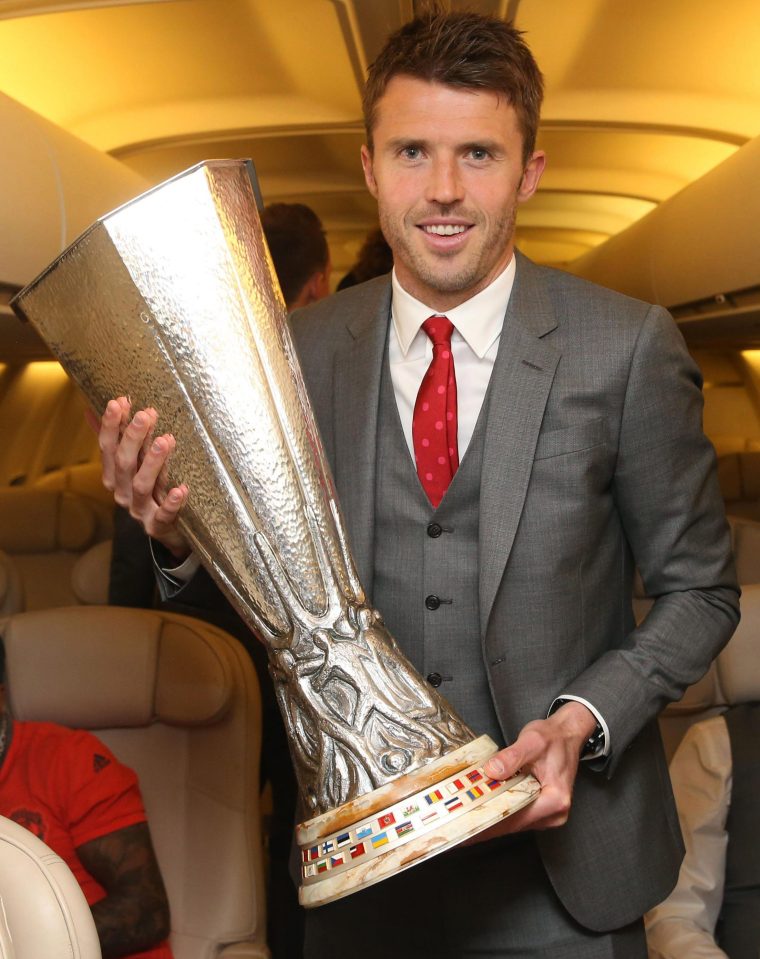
<point x="604" y="748"/>
<point x="176" y="575"/>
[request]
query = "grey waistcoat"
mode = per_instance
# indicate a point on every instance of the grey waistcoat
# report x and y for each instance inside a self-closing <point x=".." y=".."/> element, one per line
<point x="426" y="568"/>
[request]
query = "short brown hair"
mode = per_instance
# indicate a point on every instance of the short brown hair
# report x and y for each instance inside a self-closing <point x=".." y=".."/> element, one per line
<point x="296" y="239"/>
<point x="467" y="50"/>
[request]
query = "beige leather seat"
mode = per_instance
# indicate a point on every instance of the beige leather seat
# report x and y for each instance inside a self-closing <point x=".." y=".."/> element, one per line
<point x="90" y="574"/>
<point x="739" y="479"/>
<point x="85" y="481"/>
<point x="45" y="532"/>
<point x="43" y="912"/>
<point x="732" y="679"/>
<point x="178" y="701"/>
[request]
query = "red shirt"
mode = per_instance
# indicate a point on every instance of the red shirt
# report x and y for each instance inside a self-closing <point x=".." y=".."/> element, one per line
<point x="68" y="788"/>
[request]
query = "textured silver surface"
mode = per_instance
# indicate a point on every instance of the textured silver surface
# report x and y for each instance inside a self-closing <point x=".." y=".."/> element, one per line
<point x="173" y="301"/>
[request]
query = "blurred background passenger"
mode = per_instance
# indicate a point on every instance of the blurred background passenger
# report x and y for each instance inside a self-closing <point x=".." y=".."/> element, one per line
<point x="69" y="789"/>
<point x="714" y="910"/>
<point x="375" y="258"/>
<point x="296" y="239"/>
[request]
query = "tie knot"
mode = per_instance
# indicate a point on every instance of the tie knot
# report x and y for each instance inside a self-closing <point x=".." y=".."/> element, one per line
<point x="439" y="329"/>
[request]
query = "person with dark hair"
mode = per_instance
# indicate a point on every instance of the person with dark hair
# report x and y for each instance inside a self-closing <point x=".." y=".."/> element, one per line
<point x="498" y="508"/>
<point x="375" y="258"/>
<point x="69" y="789"/>
<point x="297" y="243"/>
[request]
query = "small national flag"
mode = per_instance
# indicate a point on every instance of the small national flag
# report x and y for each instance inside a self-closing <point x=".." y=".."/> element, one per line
<point x="322" y="866"/>
<point x="387" y="820"/>
<point x="435" y="796"/>
<point x="327" y="847"/>
<point x="379" y="840"/>
<point x="311" y="854"/>
<point x="337" y="860"/>
<point x="310" y="870"/>
<point x="364" y="832"/>
<point x="474" y="776"/>
<point x="411" y="809"/>
<point x="357" y="850"/>
<point x="493" y="783"/>
<point x="454" y="803"/>
<point x="475" y="793"/>
<point x="429" y="817"/>
<point x="343" y="838"/>
<point x="404" y="828"/>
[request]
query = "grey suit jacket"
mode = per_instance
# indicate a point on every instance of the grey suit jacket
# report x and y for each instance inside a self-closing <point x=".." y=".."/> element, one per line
<point x="594" y="461"/>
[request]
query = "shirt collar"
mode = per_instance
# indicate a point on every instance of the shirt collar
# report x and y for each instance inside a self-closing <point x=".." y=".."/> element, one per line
<point x="478" y="320"/>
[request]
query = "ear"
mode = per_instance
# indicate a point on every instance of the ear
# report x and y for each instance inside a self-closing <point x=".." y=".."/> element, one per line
<point x="369" y="175"/>
<point x="531" y="176"/>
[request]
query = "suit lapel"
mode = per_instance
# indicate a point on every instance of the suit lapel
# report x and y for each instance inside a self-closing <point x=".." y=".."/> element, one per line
<point x="358" y="369"/>
<point x="520" y="384"/>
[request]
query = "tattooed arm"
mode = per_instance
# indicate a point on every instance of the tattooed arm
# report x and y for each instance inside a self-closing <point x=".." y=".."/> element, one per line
<point x="134" y="915"/>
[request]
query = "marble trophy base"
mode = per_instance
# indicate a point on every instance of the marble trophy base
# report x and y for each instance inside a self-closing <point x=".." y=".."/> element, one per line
<point x="405" y="822"/>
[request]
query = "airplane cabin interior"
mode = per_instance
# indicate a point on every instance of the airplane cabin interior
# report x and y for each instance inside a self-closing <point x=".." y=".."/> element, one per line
<point x="651" y="127"/>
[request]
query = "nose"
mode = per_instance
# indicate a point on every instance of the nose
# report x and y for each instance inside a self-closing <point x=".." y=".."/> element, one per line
<point x="445" y="182"/>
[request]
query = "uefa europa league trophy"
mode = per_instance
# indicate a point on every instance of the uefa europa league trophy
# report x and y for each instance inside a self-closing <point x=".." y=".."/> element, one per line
<point x="173" y="300"/>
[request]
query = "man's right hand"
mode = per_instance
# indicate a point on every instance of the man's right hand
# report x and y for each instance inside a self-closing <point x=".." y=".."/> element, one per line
<point x="133" y="469"/>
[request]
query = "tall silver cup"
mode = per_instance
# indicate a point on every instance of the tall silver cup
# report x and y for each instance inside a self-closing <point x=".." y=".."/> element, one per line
<point x="172" y="300"/>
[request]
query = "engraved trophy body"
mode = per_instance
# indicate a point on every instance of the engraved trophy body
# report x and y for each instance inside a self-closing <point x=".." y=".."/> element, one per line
<point x="172" y="299"/>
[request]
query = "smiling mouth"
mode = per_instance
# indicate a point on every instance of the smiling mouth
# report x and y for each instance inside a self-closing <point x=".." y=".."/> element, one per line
<point x="444" y="229"/>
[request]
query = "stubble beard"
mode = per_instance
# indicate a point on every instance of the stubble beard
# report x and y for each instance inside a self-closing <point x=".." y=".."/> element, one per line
<point x="439" y="273"/>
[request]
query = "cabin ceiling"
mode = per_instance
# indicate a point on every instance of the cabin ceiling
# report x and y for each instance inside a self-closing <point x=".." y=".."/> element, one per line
<point x="641" y="98"/>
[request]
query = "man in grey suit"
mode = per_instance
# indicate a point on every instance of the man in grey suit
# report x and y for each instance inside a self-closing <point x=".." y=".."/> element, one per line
<point x="507" y="579"/>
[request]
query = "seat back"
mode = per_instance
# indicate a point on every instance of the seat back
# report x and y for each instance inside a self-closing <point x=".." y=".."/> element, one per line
<point x="178" y="701"/>
<point x="739" y="479"/>
<point x="45" y="532"/>
<point x="43" y="912"/>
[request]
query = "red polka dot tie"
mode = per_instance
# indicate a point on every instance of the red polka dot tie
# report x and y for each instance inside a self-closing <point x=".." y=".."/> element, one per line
<point x="434" y="425"/>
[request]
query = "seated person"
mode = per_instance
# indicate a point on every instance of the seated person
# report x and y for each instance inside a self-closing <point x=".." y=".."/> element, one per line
<point x="714" y="910"/>
<point x="69" y="789"/>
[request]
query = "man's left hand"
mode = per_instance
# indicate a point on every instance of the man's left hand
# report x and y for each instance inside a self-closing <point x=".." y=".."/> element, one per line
<point x="550" y="749"/>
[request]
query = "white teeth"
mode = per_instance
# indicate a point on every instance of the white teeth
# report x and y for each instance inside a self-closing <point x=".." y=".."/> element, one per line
<point x="444" y="230"/>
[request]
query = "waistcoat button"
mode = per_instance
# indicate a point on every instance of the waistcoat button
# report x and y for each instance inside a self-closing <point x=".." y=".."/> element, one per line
<point x="432" y="602"/>
<point x="435" y="679"/>
<point x="434" y="530"/>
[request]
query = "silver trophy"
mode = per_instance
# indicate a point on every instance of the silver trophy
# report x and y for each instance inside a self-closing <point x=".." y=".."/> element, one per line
<point x="172" y="299"/>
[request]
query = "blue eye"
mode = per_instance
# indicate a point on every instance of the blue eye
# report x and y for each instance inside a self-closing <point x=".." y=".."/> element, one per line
<point x="479" y="153"/>
<point x="411" y="153"/>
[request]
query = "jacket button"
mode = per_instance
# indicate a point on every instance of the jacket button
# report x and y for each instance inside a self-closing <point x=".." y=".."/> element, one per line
<point x="435" y="679"/>
<point x="434" y="530"/>
<point x="432" y="602"/>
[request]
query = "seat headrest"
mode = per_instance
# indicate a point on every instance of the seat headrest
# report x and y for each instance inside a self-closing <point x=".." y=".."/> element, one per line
<point x="44" y="521"/>
<point x="95" y="667"/>
<point x="739" y="664"/>
<point x="91" y="573"/>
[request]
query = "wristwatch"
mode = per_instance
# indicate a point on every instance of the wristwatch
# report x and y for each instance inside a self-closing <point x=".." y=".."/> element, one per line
<point x="595" y="743"/>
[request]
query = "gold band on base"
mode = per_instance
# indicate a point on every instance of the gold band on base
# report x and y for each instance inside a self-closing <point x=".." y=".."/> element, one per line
<point x="424" y="817"/>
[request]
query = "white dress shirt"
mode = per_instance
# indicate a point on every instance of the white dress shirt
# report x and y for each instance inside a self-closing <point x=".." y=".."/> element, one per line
<point x="701" y="771"/>
<point x="474" y="344"/>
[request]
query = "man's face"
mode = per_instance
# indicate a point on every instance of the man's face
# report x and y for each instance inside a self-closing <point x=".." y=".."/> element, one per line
<point x="447" y="173"/>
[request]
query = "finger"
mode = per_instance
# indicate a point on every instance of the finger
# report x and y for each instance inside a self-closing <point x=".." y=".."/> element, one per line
<point x="145" y="495"/>
<point x="127" y="455"/>
<point x="108" y="441"/>
<point x="166" y="514"/>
